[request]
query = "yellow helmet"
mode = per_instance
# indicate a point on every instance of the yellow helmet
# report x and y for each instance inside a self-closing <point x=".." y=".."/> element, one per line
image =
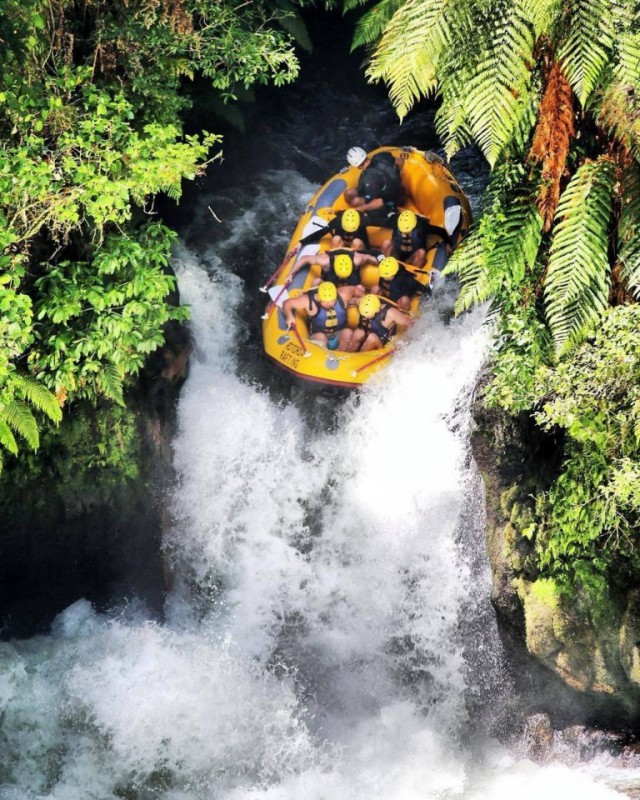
<point x="343" y="265"/>
<point x="388" y="268"/>
<point x="351" y="220"/>
<point x="407" y="221"/>
<point x="369" y="306"/>
<point x="327" y="292"/>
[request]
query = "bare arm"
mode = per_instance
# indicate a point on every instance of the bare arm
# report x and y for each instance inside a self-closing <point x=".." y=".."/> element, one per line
<point x="400" y="318"/>
<point x="315" y="258"/>
<point x="365" y="258"/>
<point x="290" y="305"/>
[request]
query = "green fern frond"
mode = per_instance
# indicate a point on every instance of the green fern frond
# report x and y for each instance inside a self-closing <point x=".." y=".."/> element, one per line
<point x="578" y="274"/>
<point x="629" y="230"/>
<point x="587" y="48"/>
<point x="502" y="250"/>
<point x="39" y="396"/>
<point x="542" y="14"/>
<point x="498" y="94"/>
<point x="371" y="26"/>
<point x="408" y="52"/>
<point x="349" y="5"/>
<point x="110" y="383"/>
<point x="17" y="415"/>
<point x="7" y="439"/>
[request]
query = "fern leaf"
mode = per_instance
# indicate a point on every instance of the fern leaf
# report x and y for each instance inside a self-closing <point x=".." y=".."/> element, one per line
<point x="39" y="396"/>
<point x="578" y="274"/>
<point x="408" y="52"/>
<point x="498" y="94"/>
<point x="553" y="135"/>
<point x="110" y="383"/>
<point x="629" y="231"/>
<point x="543" y="14"/>
<point x="502" y="250"/>
<point x="17" y="415"/>
<point x="7" y="439"/>
<point x="587" y="49"/>
<point x="349" y="5"/>
<point x="619" y="105"/>
<point x="371" y="26"/>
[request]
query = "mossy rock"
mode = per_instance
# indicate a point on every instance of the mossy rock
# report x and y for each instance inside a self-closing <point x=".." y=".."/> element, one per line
<point x="574" y="632"/>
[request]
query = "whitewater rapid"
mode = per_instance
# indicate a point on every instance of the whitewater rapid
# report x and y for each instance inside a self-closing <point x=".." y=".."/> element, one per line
<point x="328" y="635"/>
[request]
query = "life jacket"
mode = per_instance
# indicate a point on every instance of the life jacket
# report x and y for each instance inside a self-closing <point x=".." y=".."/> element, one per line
<point x="374" y="325"/>
<point x="384" y="285"/>
<point x="327" y="320"/>
<point x="405" y="245"/>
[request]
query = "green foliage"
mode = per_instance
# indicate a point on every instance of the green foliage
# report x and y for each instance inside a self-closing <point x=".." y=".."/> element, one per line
<point x="500" y="253"/>
<point x="88" y="459"/>
<point x="592" y="512"/>
<point x="506" y="74"/>
<point x="586" y="48"/>
<point x="372" y="24"/>
<point x="578" y="274"/>
<point x="629" y="232"/>
<point x="99" y="320"/>
<point x="90" y="94"/>
<point x="520" y="347"/>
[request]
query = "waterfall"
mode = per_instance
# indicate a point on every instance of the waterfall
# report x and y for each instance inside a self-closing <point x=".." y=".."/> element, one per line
<point x="329" y="634"/>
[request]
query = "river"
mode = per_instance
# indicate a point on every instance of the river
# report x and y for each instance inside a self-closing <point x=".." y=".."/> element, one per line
<point x="329" y="634"/>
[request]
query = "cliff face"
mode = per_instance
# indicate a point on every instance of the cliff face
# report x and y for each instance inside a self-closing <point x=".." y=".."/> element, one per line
<point x="87" y="519"/>
<point x="589" y="637"/>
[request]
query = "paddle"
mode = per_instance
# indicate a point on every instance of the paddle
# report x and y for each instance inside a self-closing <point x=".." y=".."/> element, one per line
<point x="373" y="361"/>
<point x="277" y="297"/>
<point x="307" y="353"/>
<point x="287" y="258"/>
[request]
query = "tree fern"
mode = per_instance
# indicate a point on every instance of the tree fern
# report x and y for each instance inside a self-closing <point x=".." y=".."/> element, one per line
<point x="629" y="231"/>
<point x="370" y="27"/>
<point x="578" y="275"/>
<point x="587" y="48"/>
<point x="502" y="250"/>
<point x="550" y="147"/>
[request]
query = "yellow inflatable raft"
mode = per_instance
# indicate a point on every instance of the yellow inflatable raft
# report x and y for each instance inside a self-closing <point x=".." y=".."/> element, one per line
<point x="433" y="192"/>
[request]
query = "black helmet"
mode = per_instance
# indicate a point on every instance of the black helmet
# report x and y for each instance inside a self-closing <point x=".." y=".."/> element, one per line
<point x="371" y="186"/>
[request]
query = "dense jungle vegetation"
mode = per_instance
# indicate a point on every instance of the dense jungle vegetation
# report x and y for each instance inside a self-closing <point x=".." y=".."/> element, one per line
<point x="91" y="98"/>
<point x="92" y="94"/>
<point x="548" y="90"/>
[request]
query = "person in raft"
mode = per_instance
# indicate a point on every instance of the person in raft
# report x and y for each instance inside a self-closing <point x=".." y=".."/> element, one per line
<point x="378" y="323"/>
<point x="341" y="267"/>
<point x="397" y="283"/>
<point x="380" y="185"/>
<point x="409" y="235"/>
<point x="348" y="229"/>
<point x="326" y="308"/>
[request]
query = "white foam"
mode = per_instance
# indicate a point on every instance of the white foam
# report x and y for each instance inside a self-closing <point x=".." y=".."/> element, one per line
<point x="312" y="647"/>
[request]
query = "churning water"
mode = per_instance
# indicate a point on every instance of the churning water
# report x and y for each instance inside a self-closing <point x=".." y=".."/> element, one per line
<point x="329" y="635"/>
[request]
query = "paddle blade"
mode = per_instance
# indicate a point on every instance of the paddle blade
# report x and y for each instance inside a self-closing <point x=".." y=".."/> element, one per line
<point x="278" y="295"/>
<point x="451" y="219"/>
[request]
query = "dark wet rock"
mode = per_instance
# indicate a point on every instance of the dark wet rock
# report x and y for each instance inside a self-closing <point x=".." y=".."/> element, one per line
<point x="590" y="640"/>
<point x="83" y="524"/>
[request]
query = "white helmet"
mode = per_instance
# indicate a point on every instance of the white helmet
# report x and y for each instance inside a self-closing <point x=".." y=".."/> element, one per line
<point x="356" y="156"/>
